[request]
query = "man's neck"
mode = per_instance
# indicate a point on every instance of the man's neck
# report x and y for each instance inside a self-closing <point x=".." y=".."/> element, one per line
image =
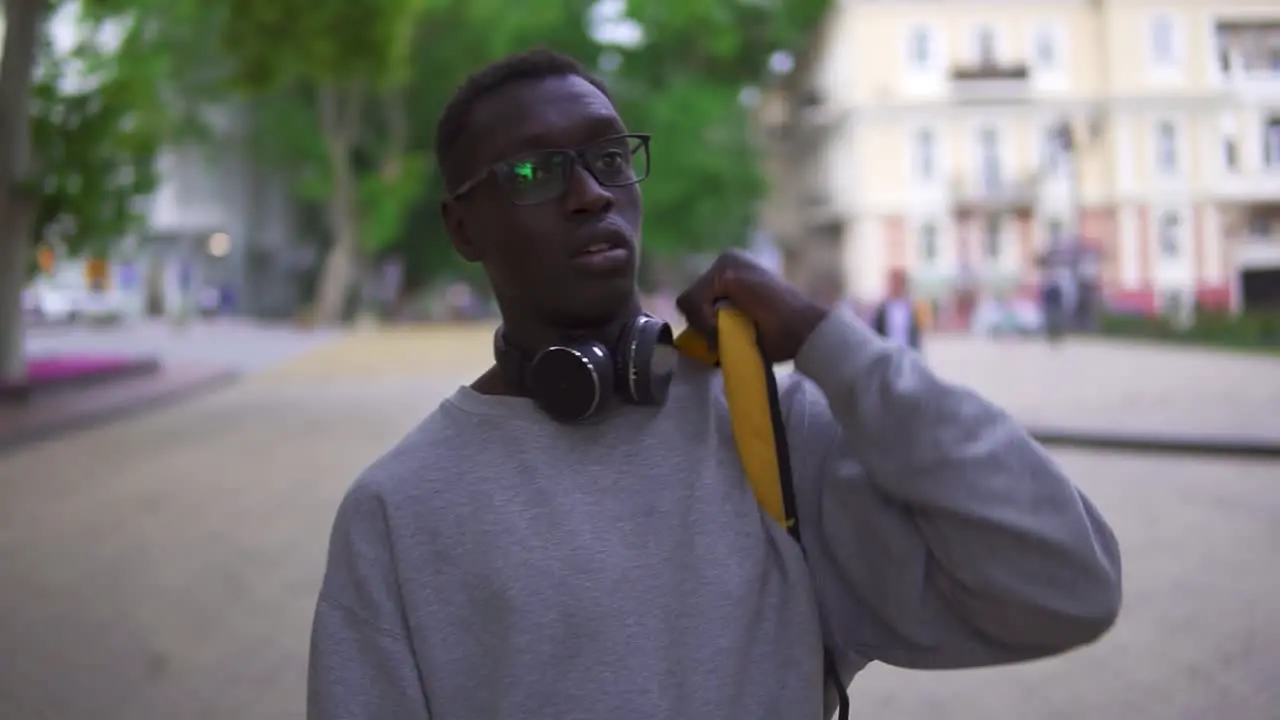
<point x="532" y="334"/>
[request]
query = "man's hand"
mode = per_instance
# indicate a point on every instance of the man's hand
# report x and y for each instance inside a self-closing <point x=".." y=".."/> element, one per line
<point x="784" y="317"/>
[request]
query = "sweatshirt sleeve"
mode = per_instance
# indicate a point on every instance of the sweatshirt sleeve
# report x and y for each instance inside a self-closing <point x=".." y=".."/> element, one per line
<point x="362" y="665"/>
<point x="939" y="533"/>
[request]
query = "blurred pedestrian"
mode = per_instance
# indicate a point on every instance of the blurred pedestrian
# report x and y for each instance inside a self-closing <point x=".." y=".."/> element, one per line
<point x="1054" y="298"/>
<point x="898" y="318"/>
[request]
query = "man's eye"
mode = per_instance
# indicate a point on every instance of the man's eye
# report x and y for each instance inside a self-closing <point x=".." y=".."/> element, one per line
<point x="612" y="159"/>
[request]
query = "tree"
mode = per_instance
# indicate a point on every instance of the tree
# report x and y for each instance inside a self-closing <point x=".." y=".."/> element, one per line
<point x="82" y="124"/>
<point x="337" y="59"/>
<point x="18" y="186"/>
<point x="98" y="119"/>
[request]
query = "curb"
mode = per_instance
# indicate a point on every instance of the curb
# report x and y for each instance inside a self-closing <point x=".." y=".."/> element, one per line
<point x="23" y="438"/>
<point x="1219" y="445"/>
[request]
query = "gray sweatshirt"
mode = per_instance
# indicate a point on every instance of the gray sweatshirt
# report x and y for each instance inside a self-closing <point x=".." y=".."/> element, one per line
<point x="497" y="565"/>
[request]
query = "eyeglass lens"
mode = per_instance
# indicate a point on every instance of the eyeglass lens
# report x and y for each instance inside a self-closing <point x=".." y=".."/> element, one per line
<point x="543" y="175"/>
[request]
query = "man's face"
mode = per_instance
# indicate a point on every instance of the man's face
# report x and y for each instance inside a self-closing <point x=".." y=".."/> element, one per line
<point x="536" y="255"/>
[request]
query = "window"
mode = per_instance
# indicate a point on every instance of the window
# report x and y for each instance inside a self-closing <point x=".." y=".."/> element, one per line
<point x="1271" y="144"/>
<point x="985" y="43"/>
<point x="1259" y="226"/>
<point x="1169" y="238"/>
<point x="1055" y="150"/>
<point x="1166" y="148"/>
<point x="928" y="243"/>
<point x="1056" y="232"/>
<point x="1045" y="49"/>
<point x="1163" y="51"/>
<point x="1230" y="154"/>
<point x="989" y="158"/>
<point x="919" y="54"/>
<point x="991" y="240"/>
<point x="924" y="154"/>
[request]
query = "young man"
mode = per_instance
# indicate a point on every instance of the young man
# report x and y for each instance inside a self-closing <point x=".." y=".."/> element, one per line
<point x="897" y="319"/>
<point x="498" y="563"/>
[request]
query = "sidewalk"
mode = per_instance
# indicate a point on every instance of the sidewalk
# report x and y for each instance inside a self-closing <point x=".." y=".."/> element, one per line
<point x="42" y="418"/>
<point x="167" y="566"/>
<point x="1082" y="387"/>
<point x="1094" y="386"/>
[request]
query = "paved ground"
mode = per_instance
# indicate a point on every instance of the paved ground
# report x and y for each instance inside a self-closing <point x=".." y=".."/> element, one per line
<point x="165" y="566"/>
<point x="225" y="343"/>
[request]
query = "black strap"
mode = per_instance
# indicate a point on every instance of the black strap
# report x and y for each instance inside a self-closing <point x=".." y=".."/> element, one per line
<point x="830" y="672"/>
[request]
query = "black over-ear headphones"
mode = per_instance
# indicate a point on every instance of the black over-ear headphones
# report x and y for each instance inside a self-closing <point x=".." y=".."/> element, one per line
<point x="574" y="378"/>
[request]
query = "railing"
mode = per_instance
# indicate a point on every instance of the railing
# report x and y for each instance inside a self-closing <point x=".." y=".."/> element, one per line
<point x="990" y="82"/>
<point x="994" y="194"/>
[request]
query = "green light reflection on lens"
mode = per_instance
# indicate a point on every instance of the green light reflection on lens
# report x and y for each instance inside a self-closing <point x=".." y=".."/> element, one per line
<point x="524" y="170"/>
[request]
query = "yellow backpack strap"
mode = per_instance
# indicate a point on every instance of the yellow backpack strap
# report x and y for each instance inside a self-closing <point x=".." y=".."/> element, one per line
<point x="754" y="412"/>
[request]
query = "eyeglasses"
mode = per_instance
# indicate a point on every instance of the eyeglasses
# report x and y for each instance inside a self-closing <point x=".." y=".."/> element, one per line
<point x="543" y="175"/>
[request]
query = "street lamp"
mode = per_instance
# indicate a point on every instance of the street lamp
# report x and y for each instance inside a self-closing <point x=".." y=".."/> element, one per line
<point x="218" y="245"/>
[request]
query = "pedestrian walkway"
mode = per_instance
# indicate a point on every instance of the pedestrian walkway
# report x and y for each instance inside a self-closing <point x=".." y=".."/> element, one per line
<point x="166" y="566"/>
<point x="1082" y="385"/>
<point x="1099" y="385"/>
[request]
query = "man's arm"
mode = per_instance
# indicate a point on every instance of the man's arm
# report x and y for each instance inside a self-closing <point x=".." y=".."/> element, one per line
<point x="362" y="664"/>
<point x="939" y="533"/>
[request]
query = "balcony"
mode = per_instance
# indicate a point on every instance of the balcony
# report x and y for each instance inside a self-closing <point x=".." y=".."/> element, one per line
<point x="1250" y="186"/>
<point x="1255" y="251"/>
<point x="993" y="195"/>
<point x="991" y="82"/>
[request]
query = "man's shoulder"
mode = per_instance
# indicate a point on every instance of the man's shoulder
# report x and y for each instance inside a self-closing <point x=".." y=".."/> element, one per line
<point x="422" y="459"/>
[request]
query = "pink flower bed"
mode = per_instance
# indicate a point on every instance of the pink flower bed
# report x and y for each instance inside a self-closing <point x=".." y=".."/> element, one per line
<point x="45" y="370"/>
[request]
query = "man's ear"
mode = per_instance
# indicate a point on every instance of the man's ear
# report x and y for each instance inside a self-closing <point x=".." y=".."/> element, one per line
<point x="455" y="225"/>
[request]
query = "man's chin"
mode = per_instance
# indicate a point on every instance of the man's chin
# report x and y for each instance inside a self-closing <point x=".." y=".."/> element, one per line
<point x="600" y="303"/>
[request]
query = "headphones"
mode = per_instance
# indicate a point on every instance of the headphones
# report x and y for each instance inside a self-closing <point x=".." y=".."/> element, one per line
<point x="575" y="378"/>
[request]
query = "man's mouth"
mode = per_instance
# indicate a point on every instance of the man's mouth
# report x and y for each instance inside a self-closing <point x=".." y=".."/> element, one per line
<point x="606" y="257"/>
<point x="599" y="247"/>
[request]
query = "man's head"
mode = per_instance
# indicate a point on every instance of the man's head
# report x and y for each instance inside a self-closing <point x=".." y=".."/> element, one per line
<point x="530" y="214"/>
<point x="897" y="283"/>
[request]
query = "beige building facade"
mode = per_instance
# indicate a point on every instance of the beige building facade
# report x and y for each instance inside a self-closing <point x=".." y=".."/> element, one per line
<point x="960" y="140"/>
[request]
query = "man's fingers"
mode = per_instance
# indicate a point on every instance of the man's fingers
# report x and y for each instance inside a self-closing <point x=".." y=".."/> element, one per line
<point x="698" y="308"/>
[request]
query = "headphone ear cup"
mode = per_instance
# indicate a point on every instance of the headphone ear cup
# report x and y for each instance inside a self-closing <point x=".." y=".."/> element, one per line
<point x="646" y="361"/>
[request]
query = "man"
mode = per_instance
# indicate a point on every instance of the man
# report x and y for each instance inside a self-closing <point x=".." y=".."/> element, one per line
<point x="500" y="564"/>
<point x="896" y="318"/>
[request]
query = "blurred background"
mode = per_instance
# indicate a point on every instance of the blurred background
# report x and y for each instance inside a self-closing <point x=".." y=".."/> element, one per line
<point x="226" y="215"/>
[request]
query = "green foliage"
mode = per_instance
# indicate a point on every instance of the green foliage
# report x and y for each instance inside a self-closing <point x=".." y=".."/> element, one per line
<point x="338" y="42"/>
<point x="98" y="121"/>
<point x="705" y="178"/>
<point x="1259" y="330"/>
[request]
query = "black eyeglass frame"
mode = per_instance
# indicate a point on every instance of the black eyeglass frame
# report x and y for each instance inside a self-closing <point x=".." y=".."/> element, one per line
<point x="578" y="158"/>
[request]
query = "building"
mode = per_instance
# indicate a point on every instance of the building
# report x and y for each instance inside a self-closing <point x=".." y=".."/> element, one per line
<point x="963" y="140"/>
<point x="220" y="221"/>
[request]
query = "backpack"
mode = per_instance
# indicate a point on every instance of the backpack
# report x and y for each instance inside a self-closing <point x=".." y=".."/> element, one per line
<point x="755" y="414"/>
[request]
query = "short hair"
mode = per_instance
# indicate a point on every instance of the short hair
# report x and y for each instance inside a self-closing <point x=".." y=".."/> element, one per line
<point x="533" y="64"/>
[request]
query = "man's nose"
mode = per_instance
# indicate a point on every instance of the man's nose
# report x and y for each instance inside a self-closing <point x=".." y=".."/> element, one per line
<point x="586" y="196"/>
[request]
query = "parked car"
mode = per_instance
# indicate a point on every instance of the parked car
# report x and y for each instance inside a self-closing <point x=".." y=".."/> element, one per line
<point x="49" y="303"/>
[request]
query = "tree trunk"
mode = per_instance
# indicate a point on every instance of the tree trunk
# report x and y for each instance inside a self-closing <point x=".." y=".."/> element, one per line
<point x="339" y="111"/>
<point x="22" y="26"/>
